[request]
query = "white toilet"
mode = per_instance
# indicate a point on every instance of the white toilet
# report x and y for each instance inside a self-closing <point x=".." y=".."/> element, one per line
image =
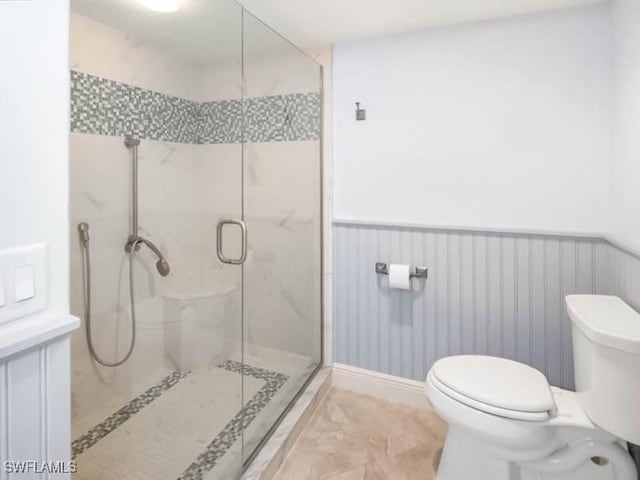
<point x="507" y="423"/>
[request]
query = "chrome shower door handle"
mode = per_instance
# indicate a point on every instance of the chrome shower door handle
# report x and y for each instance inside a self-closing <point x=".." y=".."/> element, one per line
<point x="243" y="229"/>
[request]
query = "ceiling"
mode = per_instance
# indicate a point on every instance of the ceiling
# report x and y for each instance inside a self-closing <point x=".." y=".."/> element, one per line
<point x="202" y="31"/>
<point x="314" y="23"/>
<point x="206" y="31"/>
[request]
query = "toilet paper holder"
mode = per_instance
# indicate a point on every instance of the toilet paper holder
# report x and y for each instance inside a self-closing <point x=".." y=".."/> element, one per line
<point x="418" y="272"/>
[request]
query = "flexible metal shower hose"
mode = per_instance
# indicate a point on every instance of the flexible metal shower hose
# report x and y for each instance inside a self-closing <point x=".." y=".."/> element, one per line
<point x="87" y="306"/>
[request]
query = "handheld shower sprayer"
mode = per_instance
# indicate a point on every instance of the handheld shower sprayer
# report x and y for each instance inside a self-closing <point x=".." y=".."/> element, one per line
<point x="133" y="244"/>
<point x="162" y="265"/>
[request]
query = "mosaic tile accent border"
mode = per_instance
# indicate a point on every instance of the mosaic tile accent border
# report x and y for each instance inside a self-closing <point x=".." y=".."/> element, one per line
<point x="105" y="107"/>
<point x="220" y="122"/>
<point x="231" y="432"/>
<point x="112" y="422"/>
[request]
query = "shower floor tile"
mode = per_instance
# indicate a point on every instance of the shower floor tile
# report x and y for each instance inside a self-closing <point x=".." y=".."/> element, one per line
<point x="182" y="427"/>
<point x="107" y="396"/>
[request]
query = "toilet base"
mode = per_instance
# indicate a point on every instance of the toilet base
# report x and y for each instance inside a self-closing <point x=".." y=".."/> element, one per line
<point x="463" y="457"/>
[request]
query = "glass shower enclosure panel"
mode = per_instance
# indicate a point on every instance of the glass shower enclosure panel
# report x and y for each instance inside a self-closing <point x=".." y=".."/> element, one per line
<point x="171" y="83"/>
<point x="282" y="178"/>
<point x="195" y="203"/>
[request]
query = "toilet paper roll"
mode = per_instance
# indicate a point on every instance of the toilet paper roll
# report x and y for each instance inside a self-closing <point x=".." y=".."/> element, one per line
<point x="399" y="276"/>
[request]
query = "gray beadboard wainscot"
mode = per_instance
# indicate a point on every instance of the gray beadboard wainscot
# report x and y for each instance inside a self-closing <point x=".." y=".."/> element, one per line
<point x="487" y="293"/>
<point x="624" y="272"/>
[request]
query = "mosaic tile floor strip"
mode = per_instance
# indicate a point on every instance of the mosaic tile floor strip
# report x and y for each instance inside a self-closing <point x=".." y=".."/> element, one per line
<point x="105" y="107"/>
<point x="233" y="430"/>
<point x="104" y="428"/>
<point x="267" y="385"/>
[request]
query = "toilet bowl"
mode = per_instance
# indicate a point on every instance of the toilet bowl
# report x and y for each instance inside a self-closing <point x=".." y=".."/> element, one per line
<point x="507" y="423"/>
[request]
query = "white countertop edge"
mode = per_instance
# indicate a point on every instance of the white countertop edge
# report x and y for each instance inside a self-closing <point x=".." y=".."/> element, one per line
<point x="25" y="333"/>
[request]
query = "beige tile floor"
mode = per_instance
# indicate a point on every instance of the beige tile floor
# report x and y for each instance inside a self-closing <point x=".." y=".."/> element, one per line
<point x="357" y="437"/>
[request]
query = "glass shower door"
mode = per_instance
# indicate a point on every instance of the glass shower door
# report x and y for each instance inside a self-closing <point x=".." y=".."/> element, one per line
<point x="281" y="293"/>
<point x="173" y="407"/>
<point x="221" y="174"/>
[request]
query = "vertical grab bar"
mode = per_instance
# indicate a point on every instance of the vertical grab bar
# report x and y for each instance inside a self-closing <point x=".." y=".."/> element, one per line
<point x="220" y="228"/>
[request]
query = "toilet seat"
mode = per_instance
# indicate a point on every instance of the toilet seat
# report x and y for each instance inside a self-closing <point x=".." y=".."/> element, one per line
<point x="486" y="408"/>
<point x="495" y="386"/>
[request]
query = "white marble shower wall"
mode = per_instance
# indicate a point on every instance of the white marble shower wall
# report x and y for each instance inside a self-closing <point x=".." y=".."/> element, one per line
<point x="182" y="196"/>
<point x="107" y="52"/>
<point x="283" y="272"/>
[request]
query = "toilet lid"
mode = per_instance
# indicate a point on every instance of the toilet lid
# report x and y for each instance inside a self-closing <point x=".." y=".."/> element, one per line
<point x="496" y="382"/>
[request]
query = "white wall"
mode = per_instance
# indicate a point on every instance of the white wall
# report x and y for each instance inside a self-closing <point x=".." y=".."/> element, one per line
<point x="502" y="124"/>
<point x="626" y="121"/>
<point x="34" y="133"/>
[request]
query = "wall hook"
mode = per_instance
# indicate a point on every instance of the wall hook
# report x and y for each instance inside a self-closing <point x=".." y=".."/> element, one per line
<point x="361" y="113"/>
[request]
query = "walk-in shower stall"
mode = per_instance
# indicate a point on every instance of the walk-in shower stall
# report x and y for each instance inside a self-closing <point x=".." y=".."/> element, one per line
<point x="195" y="183"/>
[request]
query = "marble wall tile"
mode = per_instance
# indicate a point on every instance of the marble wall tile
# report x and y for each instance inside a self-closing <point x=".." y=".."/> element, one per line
<point x="103" y="51"/>
<point x="222" y="80"/>
<point x="283" y="268"/>
<point x="178" y="187"/>
<point x="184" y="190"/>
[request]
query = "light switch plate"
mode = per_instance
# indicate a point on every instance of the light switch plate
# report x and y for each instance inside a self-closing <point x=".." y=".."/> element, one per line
<point x="24" y="283"/>
<point x="28" y="293"/>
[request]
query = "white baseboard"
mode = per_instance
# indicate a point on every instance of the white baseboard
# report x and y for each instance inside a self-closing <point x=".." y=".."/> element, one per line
<point x="380" y="385"/>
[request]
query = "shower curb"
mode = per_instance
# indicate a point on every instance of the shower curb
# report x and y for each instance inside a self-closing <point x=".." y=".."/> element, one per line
<point x="270" y="458"/>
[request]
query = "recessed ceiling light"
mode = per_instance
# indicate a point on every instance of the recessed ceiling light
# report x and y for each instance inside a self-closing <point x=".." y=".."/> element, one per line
<point x="164" y="6"/>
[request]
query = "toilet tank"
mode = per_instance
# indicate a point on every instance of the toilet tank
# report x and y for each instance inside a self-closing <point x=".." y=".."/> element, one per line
<point x="606" y="359"/>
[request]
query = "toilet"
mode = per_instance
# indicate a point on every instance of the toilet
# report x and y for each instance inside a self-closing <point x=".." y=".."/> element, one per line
<point x="507" y="423"/>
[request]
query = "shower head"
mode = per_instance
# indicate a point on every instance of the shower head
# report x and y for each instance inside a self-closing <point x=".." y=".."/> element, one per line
<point x="163" y="267"/>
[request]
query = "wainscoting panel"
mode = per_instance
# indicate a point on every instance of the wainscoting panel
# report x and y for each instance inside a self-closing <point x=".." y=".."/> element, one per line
<point x="624" y="274"/>
<point x="489" y="293"/>
<point x="34" y="411"/>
